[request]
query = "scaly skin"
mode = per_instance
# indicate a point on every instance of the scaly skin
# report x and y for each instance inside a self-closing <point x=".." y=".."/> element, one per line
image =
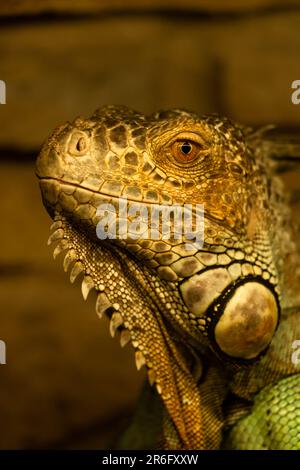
<point x="214" y="324"/>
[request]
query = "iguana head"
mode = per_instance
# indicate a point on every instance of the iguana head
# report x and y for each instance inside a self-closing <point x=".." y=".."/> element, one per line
<point x="223" y="295"/>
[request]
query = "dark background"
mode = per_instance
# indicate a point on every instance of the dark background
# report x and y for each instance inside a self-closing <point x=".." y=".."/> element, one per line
<point x="66" y="383"/>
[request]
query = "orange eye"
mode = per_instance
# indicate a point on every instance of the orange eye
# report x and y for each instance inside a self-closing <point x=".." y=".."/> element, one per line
<point x="185" y="150"/>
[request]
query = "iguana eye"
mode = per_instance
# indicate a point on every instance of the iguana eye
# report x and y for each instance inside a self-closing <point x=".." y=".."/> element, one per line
<point x="78" y="144"/>
<point x="188" y="147"/>
<point x="185" y="150"/>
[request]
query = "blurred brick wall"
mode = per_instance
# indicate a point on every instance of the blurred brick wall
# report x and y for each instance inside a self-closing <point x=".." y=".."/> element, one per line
<point x="66" y="383"/>
<point x="242" y="66"/>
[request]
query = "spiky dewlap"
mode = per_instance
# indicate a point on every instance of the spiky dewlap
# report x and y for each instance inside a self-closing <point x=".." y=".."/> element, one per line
<point x="124" y="295"/>
<point x="113" y="298"/>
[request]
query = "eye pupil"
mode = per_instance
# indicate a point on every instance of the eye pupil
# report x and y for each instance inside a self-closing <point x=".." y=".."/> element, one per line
<point x="186" y="148"/>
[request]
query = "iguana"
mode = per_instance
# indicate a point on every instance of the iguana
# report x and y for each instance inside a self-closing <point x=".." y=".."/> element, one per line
<point x="214" y="325"/>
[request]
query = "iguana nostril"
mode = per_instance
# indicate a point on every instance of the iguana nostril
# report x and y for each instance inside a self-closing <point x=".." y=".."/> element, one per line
<point x="78" y="143"/>
<point x="81" y="144"/>
<point x="248" y="322"/>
